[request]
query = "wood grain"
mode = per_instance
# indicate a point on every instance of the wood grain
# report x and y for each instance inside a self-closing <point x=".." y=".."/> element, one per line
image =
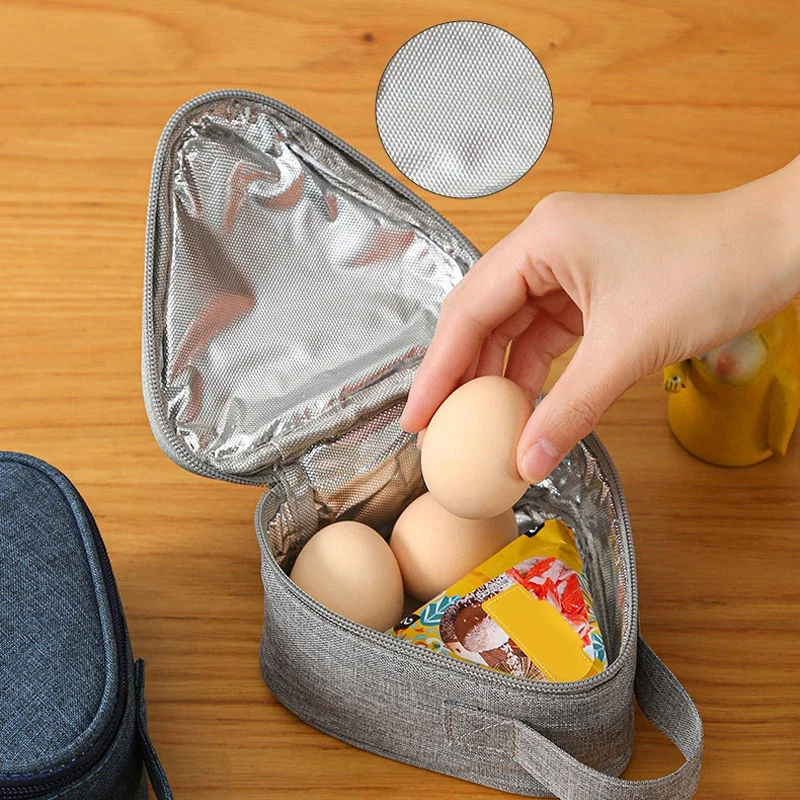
<point x="662" y="97"/>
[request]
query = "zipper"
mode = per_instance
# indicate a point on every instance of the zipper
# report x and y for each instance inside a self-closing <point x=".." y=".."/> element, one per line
<point x="166" y="437"/>
<point x="42" y="783"/>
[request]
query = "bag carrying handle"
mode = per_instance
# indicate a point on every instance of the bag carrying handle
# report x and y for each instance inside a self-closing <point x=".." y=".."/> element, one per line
<point x="662" y="699"/>
<point x="158" y="780"/>
<point x="666" y="704"/>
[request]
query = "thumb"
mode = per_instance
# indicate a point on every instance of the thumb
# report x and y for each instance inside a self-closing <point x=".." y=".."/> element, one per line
<point x="595" y="377"/>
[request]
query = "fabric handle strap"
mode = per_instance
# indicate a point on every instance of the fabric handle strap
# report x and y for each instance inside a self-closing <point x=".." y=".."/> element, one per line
<point x="666" y="704"/>
<point x="662" y="699"/>
<point x="158" y="780"/>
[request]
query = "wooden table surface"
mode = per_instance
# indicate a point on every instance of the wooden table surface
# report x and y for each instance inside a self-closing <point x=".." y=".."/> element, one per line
<point x="699" y="97"/>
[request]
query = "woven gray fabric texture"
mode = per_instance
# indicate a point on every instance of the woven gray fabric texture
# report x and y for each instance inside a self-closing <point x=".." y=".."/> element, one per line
<point x="464" y="109"/>
<point x="415" y="706"/>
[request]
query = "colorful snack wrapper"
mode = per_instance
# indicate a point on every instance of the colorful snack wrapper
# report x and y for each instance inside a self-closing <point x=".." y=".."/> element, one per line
<point x="525" y="611"/>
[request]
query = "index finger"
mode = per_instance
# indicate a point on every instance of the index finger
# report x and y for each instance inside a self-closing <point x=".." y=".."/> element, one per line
<point x="493" y="290"/>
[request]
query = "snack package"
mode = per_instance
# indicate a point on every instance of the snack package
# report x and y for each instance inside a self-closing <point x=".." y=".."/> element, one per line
<point x="525" y="611"/>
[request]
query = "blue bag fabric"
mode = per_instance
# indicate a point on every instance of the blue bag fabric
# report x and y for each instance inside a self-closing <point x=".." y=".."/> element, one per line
<point x="73" y="722"/>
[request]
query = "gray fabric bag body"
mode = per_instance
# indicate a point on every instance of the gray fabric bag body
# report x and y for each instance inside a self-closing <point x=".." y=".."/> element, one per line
<point x="73" y="723"/>
<point x="291" y="289"/>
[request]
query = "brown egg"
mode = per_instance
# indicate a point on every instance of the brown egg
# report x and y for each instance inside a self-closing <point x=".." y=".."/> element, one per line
<point x="469" y="452"/>
<point x="350" y="569"/>
<point x="434" y="548"/>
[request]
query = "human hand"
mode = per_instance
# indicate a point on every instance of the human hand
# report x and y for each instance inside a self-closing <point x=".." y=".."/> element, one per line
<point x="647" y="280"/>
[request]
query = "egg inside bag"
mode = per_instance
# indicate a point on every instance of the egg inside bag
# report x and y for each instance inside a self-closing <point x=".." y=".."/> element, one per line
<point x="434" y="548"/>
<point x="526" y="611"/>
<point x="350" y="569"/>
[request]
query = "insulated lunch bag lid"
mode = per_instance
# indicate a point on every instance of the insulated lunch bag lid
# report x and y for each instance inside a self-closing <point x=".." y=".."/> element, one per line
<point x="58" y="665"/>
<point x="287" y="284"/>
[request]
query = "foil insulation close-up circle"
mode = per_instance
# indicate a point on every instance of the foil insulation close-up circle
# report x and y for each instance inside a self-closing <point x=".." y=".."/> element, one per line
<point x="464" y="109"/>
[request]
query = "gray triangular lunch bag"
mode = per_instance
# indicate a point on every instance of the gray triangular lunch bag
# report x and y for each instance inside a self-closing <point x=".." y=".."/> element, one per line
<point x="291" y="289"/>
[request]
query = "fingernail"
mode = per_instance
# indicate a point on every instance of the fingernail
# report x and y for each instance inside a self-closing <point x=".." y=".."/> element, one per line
<point x="539" y="461"/>
<point x="403" y="420"/>
<point x="420" y="437"/>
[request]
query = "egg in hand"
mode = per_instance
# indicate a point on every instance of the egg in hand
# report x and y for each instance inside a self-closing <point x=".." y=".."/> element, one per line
<point x="469" y="459"/>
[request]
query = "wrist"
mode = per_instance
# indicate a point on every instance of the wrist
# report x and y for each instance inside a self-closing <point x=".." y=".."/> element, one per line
<point x="781" y="201"/>
<point x="767" y="211"/>
<point x="789" y="178"/>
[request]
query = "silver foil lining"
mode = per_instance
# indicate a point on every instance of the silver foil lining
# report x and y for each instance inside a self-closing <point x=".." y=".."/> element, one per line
<point x="296" y="291"/>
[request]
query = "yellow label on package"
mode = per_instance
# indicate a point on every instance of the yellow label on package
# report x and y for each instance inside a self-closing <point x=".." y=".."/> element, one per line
<point x="525" y="611"/>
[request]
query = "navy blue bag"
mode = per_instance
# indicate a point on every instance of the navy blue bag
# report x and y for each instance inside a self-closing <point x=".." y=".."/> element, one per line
<point x="73" y="722"/>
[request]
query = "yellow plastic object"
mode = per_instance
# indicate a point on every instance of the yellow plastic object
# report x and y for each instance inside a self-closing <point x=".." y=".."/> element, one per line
<point x="738" y="405"/>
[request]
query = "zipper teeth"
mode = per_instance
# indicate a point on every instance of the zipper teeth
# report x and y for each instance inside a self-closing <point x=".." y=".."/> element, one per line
<point x="597" y="449"/>
<point x="167" y="438"/>
<point x="35" y="786"/>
